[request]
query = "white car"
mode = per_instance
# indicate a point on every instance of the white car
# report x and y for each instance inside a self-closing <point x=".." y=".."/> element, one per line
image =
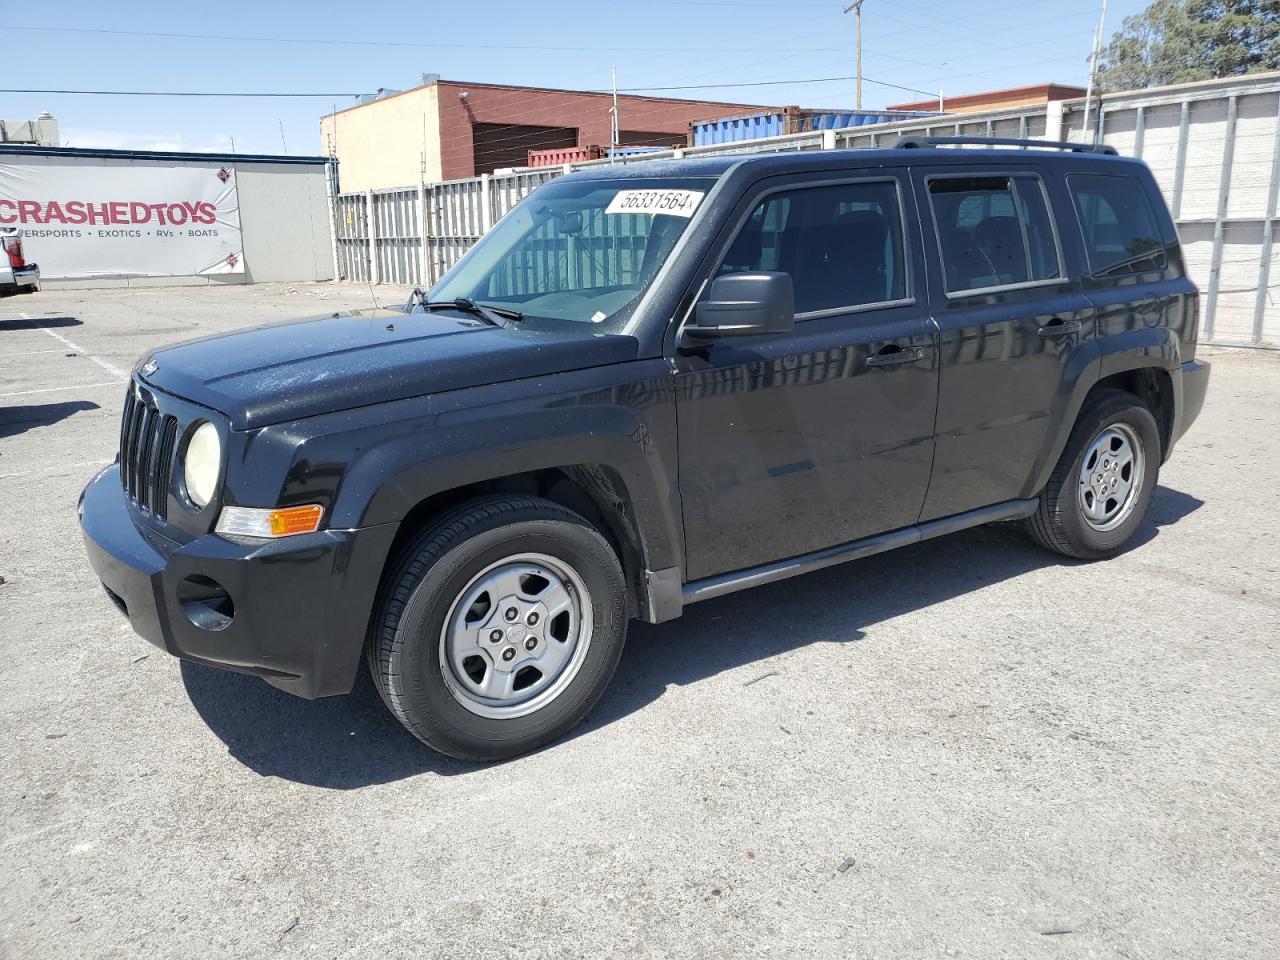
<point x="16" y="275"/>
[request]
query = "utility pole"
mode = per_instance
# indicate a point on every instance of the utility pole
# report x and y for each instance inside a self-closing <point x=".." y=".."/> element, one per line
<point x="856" y="8"/>
<point x="613" y="111"/>
<point x="1093" y="73"/>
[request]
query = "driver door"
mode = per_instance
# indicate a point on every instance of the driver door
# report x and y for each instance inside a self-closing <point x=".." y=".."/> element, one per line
<point x="791" y="443"/>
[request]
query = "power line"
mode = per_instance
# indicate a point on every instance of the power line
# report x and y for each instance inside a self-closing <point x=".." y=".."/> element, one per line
<point x="389" y="43"/>
<point x="774" y="83"/>
<point x="707" y="3"/>
<point x="218" y="93"/>
<point x="179" y="93"/>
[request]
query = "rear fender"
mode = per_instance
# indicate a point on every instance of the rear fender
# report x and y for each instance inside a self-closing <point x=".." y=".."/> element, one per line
<point x="1097" y="359"/>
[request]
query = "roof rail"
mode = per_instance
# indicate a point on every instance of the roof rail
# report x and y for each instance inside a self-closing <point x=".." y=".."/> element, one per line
<point x="908" y="143"/>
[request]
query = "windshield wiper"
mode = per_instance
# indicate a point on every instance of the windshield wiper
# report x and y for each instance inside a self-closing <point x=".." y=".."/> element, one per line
<point x="507" y="312"/>
<point x="490" y="313"/>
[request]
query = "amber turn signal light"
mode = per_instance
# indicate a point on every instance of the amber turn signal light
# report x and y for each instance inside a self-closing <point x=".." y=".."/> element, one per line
<point x="271" y="522"/>
<point x="293" y="520"/>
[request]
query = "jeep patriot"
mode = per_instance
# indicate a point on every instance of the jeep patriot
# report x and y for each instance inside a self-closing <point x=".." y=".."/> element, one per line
<point x="650" y="384"/>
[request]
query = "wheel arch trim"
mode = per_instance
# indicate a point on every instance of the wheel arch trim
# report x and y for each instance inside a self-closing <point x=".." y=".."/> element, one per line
<point x="598" y="461"/>
<point x="1108" y="358"/>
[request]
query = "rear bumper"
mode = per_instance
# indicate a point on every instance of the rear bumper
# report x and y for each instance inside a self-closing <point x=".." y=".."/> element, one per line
<point x="292" y="611"/>
<point x="28" y="276"/>
<point x="1194" y="384"/>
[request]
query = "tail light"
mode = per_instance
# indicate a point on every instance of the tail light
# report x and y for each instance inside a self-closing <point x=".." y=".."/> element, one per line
<point x="13" y="247"/>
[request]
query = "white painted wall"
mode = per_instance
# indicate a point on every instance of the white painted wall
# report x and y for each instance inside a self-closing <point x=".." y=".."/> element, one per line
<point x="284" y="221"/>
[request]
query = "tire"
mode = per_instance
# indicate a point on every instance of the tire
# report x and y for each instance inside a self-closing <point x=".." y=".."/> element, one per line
<point x="433" y="648"/>
<point x="1073" y="519"/>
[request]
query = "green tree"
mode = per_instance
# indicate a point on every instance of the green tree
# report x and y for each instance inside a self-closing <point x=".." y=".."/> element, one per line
<point x="1179" y="41"/>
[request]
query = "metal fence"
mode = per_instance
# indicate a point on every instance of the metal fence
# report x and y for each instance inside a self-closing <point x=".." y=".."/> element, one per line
<point x="380" y="237"/>
<point x="1214" y="148"/>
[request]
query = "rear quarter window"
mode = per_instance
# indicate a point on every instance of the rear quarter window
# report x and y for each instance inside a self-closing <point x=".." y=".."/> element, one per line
<point x="1118" y="224"/>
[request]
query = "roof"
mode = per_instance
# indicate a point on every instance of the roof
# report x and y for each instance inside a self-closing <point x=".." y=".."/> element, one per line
<point x="1048" y="91"/>
<point x="791" y="161"/>
<point x="553" y="90"/>
<point x="12" y="149"/>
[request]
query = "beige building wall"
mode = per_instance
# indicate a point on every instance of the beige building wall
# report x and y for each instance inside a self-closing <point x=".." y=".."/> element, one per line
<point x="996" y="103"/>
<point x="381" y="144"/>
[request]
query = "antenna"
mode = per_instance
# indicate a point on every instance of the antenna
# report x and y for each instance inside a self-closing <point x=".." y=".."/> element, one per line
<point x="613" y="111"/>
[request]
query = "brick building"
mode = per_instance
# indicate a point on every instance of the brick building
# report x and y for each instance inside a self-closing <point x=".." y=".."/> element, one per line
<point x="444" y="130"/>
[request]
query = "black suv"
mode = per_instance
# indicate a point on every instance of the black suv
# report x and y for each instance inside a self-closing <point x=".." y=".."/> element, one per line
<point x="649" y="385"/>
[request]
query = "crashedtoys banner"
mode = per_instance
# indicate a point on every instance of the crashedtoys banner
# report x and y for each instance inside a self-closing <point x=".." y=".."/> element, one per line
<point x="123" y="218"/>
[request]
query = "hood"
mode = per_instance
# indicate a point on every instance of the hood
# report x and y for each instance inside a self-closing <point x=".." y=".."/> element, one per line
<point x="293" y="370"/>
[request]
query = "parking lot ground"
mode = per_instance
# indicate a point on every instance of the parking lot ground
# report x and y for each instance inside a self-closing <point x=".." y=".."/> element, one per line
<point x="967" y="747"/>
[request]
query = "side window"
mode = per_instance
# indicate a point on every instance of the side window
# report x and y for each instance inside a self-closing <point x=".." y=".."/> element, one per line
<point x="1119" y="226"/>
<point x="842" y="245"/>
<point x="758" y="245"/>
<point x="994" y="231"/>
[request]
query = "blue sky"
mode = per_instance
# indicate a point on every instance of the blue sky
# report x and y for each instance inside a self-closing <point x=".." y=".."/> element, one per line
<point x="958" y="45"/>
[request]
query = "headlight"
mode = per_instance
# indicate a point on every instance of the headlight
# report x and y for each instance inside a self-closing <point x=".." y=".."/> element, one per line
<point x="202" y="464"/>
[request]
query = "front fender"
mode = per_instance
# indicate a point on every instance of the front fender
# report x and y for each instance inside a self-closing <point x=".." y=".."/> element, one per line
<point x="389" y="458"/>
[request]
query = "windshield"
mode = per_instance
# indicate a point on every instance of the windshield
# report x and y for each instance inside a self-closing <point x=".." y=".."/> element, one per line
<point x="578" y="251"/>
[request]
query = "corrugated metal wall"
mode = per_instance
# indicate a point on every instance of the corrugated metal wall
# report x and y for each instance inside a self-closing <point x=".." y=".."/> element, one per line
<point x="775" y="124"/>
<point x="1214" y="149"/>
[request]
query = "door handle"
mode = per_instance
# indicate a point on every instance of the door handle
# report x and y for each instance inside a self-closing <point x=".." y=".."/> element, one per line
<point x="893" y="356"/>
<point x="1058" y="328"/>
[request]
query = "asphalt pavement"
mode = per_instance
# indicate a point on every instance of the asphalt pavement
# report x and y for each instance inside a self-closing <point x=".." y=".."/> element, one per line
<point x="968" y="747"/>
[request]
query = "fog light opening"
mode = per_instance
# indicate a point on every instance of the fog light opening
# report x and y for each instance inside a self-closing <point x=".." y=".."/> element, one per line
<point x="206" y="603"/>
<point x="117" y="600"/>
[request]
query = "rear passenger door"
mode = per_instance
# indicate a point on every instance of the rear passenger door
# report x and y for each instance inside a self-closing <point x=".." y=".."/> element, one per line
<point x="791" y="443"/>
<point x="1013" y="328"/>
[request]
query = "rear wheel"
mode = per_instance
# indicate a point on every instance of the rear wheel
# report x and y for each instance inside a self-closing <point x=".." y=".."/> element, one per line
<point x="498" y="627"/>
<point x="1099" y="492"/>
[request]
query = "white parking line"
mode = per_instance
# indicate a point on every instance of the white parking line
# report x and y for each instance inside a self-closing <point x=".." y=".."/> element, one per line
<point x="70" y="386"/>
<point x="27" y="353"/>
<point x="110" y="368"/>
<point x="60" y="470"/>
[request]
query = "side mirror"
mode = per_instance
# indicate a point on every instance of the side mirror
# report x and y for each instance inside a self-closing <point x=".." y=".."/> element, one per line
<point x="745" y="304"/>
<point x="569" y="223"/>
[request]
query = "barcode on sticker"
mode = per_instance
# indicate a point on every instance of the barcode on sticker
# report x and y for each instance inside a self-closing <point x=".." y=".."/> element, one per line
<point x="674" y="203"/>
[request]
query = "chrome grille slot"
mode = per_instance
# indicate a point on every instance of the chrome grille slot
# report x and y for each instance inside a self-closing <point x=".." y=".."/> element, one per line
<point x="141" y="455"/>
<point x="128" y="455"/>
<point x="168" y="434"/>
<point x="147" y="439"/>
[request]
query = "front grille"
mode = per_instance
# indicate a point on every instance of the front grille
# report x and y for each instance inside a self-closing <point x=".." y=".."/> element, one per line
<point x="147" y="437"/>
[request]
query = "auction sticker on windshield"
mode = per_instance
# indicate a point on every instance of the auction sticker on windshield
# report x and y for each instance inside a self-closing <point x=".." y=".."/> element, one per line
<point x="674" y="203"/>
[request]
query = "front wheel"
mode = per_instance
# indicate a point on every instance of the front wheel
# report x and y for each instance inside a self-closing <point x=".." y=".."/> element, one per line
<point x="498" y="627"/>
<point x="1098" y="494"/>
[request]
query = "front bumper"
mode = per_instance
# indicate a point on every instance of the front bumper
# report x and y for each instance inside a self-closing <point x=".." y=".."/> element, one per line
<point x="298" y="607"/>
